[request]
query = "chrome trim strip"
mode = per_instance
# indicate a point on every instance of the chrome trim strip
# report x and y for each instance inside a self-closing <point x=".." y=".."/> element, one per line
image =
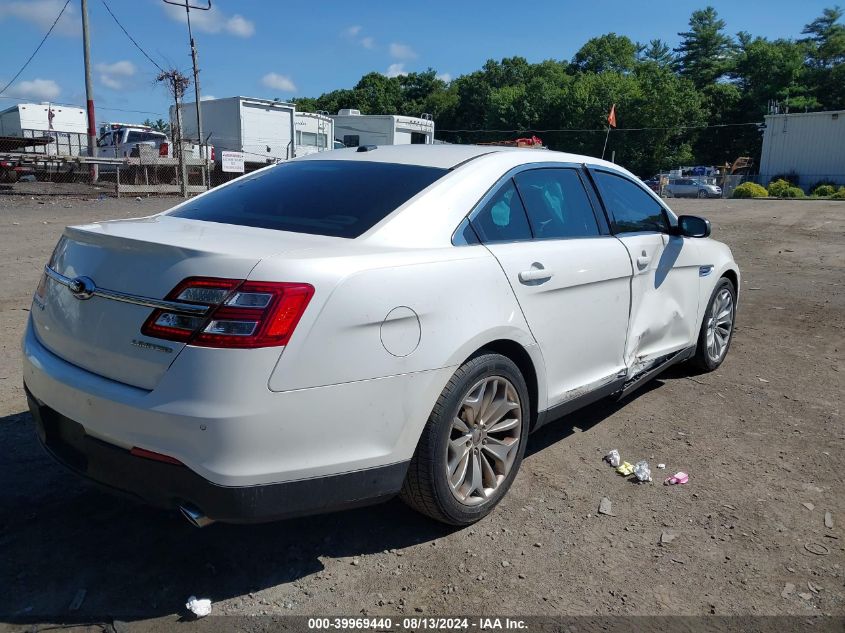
<point x="147" y="302"/>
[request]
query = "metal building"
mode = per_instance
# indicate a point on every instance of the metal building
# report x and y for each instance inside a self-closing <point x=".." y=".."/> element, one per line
<point x="811" y="145"/>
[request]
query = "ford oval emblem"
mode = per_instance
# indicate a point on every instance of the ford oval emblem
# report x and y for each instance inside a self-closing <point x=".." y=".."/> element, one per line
<point x="82" y="288"/>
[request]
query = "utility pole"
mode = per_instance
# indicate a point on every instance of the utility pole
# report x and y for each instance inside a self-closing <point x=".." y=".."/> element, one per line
<point x="188" y="8"/>
<point x="89" y="91"/>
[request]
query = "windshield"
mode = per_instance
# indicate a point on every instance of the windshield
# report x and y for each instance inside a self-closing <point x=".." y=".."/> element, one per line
<point x="338" y="198"/>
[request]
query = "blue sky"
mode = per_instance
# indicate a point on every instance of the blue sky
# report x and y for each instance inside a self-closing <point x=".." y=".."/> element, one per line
<point x="273" y="48"/>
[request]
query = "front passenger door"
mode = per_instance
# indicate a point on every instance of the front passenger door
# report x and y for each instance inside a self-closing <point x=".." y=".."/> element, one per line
<point x="664" y="287"/>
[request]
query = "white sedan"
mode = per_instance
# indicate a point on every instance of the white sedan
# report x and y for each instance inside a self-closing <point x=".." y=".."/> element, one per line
<point x="352" y="325"/>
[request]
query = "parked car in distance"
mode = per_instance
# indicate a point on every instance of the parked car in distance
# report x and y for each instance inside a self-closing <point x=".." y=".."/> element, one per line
<point x="691" y="188"/>
<point x="347" y="326"/>
<point x="653" y="183"/>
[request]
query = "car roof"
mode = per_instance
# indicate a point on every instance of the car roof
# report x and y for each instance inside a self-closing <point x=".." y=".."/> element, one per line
<point x="443" y="156"/>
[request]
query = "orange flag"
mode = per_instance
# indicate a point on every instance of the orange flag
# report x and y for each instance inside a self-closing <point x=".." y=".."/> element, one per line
<point x="611" y="118"/>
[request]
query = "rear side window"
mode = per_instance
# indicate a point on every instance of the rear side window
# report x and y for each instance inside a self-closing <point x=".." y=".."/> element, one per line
<point x="502" y="218"/>
<point x="631" y="208"/>
<point x="557" y="204"/>
<point x="338" y="198"/>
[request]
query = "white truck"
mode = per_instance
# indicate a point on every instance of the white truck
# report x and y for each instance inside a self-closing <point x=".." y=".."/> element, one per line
<point x="262" y="129"/>
<point x="314" y="133"/>
<point x="65" y="125"/>
<point x="354" y="129"/>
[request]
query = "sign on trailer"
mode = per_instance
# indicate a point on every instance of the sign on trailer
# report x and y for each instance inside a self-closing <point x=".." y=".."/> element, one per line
<point x="232" y="162"/>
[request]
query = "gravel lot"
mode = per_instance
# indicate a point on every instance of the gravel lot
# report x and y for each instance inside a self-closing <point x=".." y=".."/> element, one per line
<point x="762" y="439"/>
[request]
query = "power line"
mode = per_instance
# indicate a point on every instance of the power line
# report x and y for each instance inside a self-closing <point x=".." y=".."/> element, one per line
<point x="37" y="48"/>
<point x="604" y="129"/>
<point x="131" y="39"/>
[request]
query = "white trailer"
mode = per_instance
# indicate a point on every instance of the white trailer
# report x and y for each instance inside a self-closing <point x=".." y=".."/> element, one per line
<point x="314" y="133"/>
<point x="810" y="145"/>
<point x="260" y="128"/>
<point x="66" y="125"/>
<point x="353" y="129"/>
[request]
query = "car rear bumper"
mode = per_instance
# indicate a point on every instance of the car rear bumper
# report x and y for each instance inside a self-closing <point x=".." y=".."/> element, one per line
<point x="234" y="435"/>
<point x="167" y="485"/>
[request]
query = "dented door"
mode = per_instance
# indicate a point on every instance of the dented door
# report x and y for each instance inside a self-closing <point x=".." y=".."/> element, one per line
<point x="664" y="286"/>
<point x="664" y="296"/>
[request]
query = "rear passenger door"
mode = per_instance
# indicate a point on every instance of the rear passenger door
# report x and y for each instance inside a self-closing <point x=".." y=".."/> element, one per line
<point x="571" y="278"/>
<point x="664" y="287"/>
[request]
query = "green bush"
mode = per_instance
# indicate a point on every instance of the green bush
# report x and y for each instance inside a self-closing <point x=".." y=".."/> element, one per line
<point x="793" y="192"/>
<point x="750" y="190"/>
<point x="778" y="188"/>
<point x="824" y="191"/>
<point x="839" y="195"/>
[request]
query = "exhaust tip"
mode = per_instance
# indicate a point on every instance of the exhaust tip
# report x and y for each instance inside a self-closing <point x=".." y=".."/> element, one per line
<point x="195" y="517"/>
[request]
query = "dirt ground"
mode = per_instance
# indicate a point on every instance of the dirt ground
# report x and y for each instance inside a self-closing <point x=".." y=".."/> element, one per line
<point x="762" y="439"/>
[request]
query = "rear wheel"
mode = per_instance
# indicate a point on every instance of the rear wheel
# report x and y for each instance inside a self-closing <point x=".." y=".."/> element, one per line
<point x="473" y="443"/>
<point x="717" y="328"/>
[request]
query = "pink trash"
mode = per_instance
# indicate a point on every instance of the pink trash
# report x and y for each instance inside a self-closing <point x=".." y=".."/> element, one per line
<point x="677" y="478"/>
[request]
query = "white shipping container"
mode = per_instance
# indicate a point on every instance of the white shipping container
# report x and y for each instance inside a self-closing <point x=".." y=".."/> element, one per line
<point x="260" y="128"/>
<point x="67" y="125"/>
<point x="812" y="145"/>
<point x="314" y="133"/>
<point x="353" y="129"/>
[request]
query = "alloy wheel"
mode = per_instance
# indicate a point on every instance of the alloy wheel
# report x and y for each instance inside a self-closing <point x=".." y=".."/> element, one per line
<point x="483" y="440"/>
<point x="720" y="325"/>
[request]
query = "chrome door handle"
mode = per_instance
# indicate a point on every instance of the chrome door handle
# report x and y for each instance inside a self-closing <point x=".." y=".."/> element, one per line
<point x="535" y="274"/>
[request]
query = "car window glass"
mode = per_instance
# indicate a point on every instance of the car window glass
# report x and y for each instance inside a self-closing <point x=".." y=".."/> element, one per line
<point x="631" y="208"/>
<point x="556" y="203"/>
<point x="339" y="198"/>
<point x="502" y="218"/>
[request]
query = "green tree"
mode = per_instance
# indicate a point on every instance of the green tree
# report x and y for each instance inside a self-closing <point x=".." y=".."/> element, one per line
<point x="656" y="51"/>
<point x="704" y="54"/>
<point x="606" y="52"/>
<point x="826" y="38"/>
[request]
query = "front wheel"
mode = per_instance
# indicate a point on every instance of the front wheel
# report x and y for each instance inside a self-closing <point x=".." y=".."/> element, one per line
<point x="717" y="328"/>
<point x="473" y="443"/>
<point x="702" y="193"/>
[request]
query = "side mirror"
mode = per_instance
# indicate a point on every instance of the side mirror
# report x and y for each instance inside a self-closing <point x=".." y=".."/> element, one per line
<point x="693" y="226"/>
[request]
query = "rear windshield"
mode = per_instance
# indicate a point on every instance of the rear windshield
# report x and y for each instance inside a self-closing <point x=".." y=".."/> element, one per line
<point x="338" y="198"/>
<point x="140" y="137"/>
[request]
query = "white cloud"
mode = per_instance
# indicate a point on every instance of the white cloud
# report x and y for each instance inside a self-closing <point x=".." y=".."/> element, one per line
<point x="213" y="21"/>
<point x="37" y="89"/>
<point x="368" y="42"/>
<point x="402" y="51"/>
<point x="444" y="77"/>
<point x="240" y="26"/>
<point x="396" y="70"/>
<point x="352" y="31"/>
<point x="278" y="82"/>
<point x="115" y="75"/>
<point x="207" y="97"/>
<point x="42" y="13"/>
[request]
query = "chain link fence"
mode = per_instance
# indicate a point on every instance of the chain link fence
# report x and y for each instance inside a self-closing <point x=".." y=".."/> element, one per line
<point x="143" y="170"/>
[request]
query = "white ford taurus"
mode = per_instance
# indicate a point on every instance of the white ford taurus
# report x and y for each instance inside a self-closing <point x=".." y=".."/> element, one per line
<point x="356" y="324"/>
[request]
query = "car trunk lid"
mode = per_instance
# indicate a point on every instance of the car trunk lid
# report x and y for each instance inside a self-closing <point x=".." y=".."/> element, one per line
<point x="144" y="259"/>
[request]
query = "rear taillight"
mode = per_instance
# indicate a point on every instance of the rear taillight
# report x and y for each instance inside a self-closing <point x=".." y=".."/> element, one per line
<point x="163" y="149"/>
<point x="213" y="155"/>
<point x="241" y="314"/>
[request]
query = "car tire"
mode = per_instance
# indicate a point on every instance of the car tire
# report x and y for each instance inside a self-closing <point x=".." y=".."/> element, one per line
<point x="442" y="481"/>
<point x="712" y="349"/>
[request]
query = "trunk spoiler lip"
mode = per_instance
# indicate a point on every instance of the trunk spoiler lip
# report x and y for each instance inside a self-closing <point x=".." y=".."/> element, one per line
<point x="80" y="285"/>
